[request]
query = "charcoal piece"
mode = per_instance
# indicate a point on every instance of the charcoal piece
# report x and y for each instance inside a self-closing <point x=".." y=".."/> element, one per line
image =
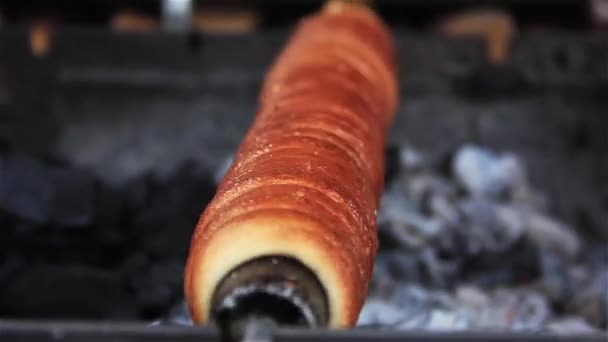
<point x="7" y="241"/>
<point x="530" y="198"/>
<point x="550" y="233"/>
<point x="192" y="186"/>
<point x="58" y="245"/>
<point x="482" y="173"/>
<point x="520" y="310"/>
<point x="53" y="292"/>
<point x="490" y="227"/>
<point x="386" y="238"/>
<point x="156" y="227"/>
<point x="137" y="192"/>
<point x="413" y="307"/>
<point x="398" y="266"/>
<point x="377" y="313"/>
<point x="429" y="310"/>
<point x="425" y="267"/>
<point x="166" y="237"/>
<point x="516" y="266"/>
<point x="589" y="305"/>
<point x="443" y="320"/>
<point x="472" y="297"/>
<point x="73" y="198"/>
<point x="555" y="280"/>
<point x="438" y="272"/>
<point x="504" y="309"/>
<point x="590" y="287"/>
<point x="158" y="286"/>
<point x="135" y="263"/>
<point x="9" y="267"/>
<point x="26" y="189"/>
<point x="400" y="219"/>
<point x="411" y="159"/>
<point x="415" y="231"/>
<point x="444" y="207"/>
<point x="422" y="188"/>
<point x="24" y="229"/>
<point x="109" y="221"/>
<point x="417" y="295"/>
<point x="164" y="227"/>
<point x="41" y="194"/>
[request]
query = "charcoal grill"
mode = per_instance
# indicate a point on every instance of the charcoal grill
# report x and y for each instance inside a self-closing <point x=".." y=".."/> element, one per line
<point x="117" y="83"/>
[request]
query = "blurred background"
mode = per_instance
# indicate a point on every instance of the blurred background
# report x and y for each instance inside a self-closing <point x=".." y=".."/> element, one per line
<point x="119" y="117"/>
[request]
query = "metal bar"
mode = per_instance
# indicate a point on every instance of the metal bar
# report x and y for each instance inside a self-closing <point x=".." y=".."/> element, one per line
<point x="12" y="330"/>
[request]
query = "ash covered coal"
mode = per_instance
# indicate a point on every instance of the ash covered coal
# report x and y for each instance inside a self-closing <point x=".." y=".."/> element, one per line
<point x="473" y="246"/>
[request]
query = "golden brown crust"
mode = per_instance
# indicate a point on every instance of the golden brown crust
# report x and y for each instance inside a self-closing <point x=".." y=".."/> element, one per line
<point x="308" y="176"/>
<point x="276" y="232"/>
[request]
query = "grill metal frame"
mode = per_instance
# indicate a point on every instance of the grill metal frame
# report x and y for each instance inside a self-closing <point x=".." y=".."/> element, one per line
<point x="27" y="331"/>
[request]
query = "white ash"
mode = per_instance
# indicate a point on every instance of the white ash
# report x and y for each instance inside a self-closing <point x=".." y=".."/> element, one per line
<point x="476" y="248"/>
